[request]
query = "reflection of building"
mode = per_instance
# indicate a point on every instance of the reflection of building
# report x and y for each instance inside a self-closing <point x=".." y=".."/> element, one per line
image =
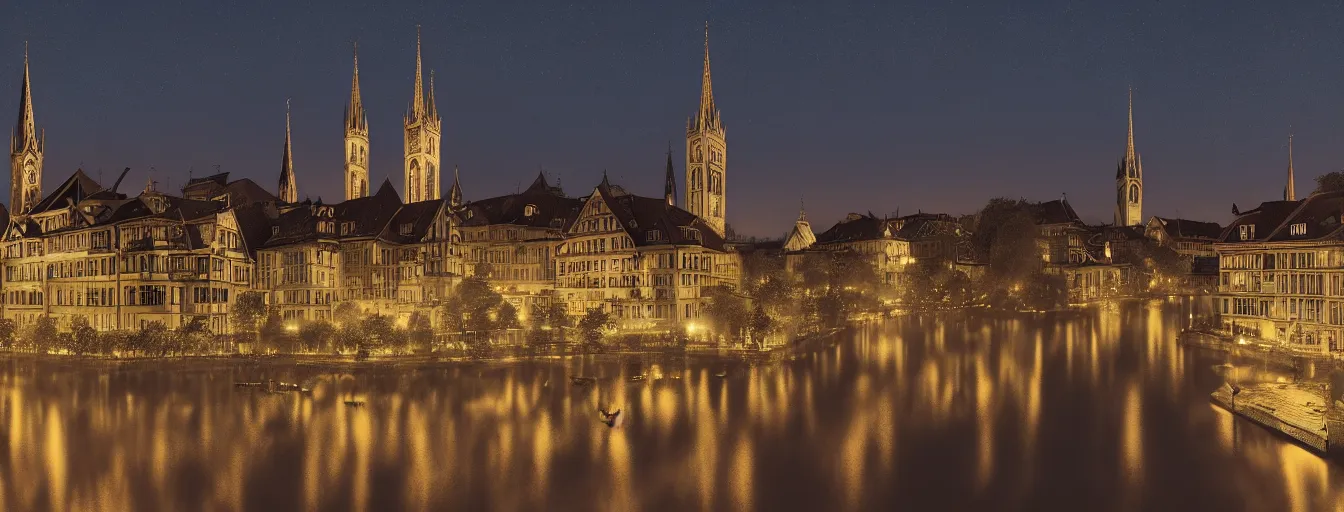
<point x="1281" y="274"/>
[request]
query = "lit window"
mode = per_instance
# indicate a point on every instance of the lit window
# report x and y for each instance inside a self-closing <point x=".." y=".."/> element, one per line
<point x="1298" y="229"/>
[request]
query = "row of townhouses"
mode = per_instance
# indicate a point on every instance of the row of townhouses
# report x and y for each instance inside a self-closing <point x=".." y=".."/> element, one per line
<point x="175" y="257"/>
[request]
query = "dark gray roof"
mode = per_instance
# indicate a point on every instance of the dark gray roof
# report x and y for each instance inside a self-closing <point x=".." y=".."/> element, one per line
<point x="1184" y="228"/>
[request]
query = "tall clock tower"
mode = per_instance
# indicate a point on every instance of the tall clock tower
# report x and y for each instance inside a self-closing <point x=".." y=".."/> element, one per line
<point x="25" y="153"/>
<point x="422" y="138"/>
<point x="706" y="157"/>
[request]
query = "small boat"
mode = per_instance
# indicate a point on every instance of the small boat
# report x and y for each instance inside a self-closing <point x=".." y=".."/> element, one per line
<point x="721" y="374"/>
<point x="583" y="381"/>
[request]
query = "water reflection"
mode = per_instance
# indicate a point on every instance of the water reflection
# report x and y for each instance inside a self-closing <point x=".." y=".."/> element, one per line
<point x="1094" y="410"/>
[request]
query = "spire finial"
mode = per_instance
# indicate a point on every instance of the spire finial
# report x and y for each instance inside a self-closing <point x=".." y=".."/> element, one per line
<point x="418" y="99"/>
<point x="1129" y="148"/>
<point x="288" y="190"/>
<point x="707" y="117"/>
<point x="355" y="119"/>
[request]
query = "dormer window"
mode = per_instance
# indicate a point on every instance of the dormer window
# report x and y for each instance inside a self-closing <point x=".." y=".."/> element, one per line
<point x="1298" y="229"/>
<point x="691" y="233"/>
<point x="406" y="229"/>
<point x="1247" y="231"/>
<point x="275" y="230"/>
<point x="530" y="210"/>
<point x="470" y="213"/>
<point x="655" y="236"/>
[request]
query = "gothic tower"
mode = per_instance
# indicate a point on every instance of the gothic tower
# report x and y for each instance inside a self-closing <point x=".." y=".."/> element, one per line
<point x="289" y="191"/>
<point x="1288" y="193"/>
<point x="356" y="141"/>
<point x="422" y="138"/>
<point x="1129" y="180"/>
<point x="25" y="152"/>
<point x="706" y="156"/>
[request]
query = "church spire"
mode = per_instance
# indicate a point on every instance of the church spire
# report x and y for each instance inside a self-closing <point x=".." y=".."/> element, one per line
<point x="708" y="116"/>
<point x="25" y="132"/>
<point x="670" y="187"/>
<point x="1129" y="147"/>
<point x="288" y="191"/>
<point x="1288" y="193"/>
<point x="455" y="193"/>
<point x="355" y="117"/>
<point x="418" y="97"/>
<point x="431" y="109"/>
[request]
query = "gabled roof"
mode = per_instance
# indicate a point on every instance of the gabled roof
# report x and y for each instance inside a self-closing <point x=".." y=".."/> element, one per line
<point x="419" y="215"/>
<point x="1058" y="211"/>
<point x="640" y="215"/>
<point x="1320" y="214"/>
<point x="370" y="214"/>
<point x="254" y="224"/>
<point x="1183" y="228"/>
<point x="855" y="228"/>
<point x="75" y="189"/>
<point x="220" y="179"/>
<point x="926" y="225"/>
<point x="552" y="208"/>
<point x="1266" y="217"/>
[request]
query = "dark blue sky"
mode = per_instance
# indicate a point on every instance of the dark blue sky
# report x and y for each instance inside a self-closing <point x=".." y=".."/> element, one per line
<point x="855" y="105"/>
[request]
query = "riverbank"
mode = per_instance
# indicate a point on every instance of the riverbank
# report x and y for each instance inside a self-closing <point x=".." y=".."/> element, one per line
<point x="1297" y="411"/>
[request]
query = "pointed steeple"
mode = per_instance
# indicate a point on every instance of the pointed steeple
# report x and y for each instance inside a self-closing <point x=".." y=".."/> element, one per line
<point x="1288" y="193"/>
<point x="355" y="117"/>
<point x="670" y="187"/>
<point x="708" y="115"/>
<point x="802" y="211"/>
<point x="418" y="96"/>
<point x="1129" y="146"/>
<point x="455" y="193"/>
<point x="433" y="111"/>
<point x="25" y="131"/>
<point x="288" y="191"/>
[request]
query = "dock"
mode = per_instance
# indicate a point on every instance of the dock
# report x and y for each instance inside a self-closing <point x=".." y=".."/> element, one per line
<point x="1294" y="410"/>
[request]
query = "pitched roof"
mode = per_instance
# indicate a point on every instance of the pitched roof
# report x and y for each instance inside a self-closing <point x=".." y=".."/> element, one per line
<point x="1058" y="211"/>
<point x="640" y="216"/>
<point x="1183" y="228"/>
<point x="551" y="208"/>
<point x="1320" y="214"/>
<point x="419" y="216"/>
<point x="857" y="227"/>
<point x="1265" y="218"/>
<point x="75" y="189"/>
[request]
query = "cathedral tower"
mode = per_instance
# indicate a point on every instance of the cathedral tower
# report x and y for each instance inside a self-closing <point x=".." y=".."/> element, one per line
<point x="706" y="156"/>
<point x="1129" y="180"/>
<point x="422" y="138"/>
<point x="25" y="152"/>
<point x="356" y="141"/>
<point x="289" y="190"/>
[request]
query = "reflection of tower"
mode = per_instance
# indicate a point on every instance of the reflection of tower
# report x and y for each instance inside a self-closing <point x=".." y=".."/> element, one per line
<point x="706" y="156"/>
<point x="422" y="138"/>
<point x="289" y="190"/>
<point x="1129" y="180"/>
<point x="356" y="141"/>
<point x="25" y="152"/>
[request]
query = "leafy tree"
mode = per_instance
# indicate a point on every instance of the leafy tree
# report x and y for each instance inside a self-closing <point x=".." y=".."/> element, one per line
<point x="761" y="323"/>
<point x="84" y="339"/>
<point x="1330" y="181"/>
<point x="727" y="312"/>
<point x="420" y="332"/>
<point x="317" y="335"/>
<point x="378" y="331"/>
<point x="594" y="326"/>
<point x="44" y="333"/>
<point x="507" y="317"/>
<point x="248" y="309"/>
<point x="8" y="333"/>
<point x="471" y="306"/>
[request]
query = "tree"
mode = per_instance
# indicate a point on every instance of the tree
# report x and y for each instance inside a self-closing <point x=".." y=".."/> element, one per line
<point x="378" y="331"/>
<point x="317" y="335"/>
<point x="248" y="309"/>
<point x="8" y="333"/>
<point x="761" y="323"/>
<point x="84" y="339"/>
<point x="594" y="326"/>
<point x="507" y="317"/>
<point x="420" y="332"/>
<point x="1330" y="181"/>
<point x="726" y="311"/>
<point x="44" y="333"/>
<point x="348" y="311"/>
<point x="473" y="306"/>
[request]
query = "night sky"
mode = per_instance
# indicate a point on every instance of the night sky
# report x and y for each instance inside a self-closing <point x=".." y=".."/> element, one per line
<point x="852" y="106"/>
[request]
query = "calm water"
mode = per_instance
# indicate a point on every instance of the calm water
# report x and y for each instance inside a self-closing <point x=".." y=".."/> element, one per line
<point x="1097" y="411"/>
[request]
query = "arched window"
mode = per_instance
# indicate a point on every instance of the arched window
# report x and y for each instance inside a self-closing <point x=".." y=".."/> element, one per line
<point x="414" y="193"/>
<point x="353" y="154"/>
<point x="1134" y="193"/>
<point x="362" y="156"/>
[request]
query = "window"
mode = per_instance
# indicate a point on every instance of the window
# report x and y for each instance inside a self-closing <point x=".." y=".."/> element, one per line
<point x="406" y="229"/>
<point x="655" y="236"/>
<point x="1247" y="231"/>
<point x="1298" y="229"/>
<point x="530" y="210"/>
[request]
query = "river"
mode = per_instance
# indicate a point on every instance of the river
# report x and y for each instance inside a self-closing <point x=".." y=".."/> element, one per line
<point x="1095" y="410"/>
